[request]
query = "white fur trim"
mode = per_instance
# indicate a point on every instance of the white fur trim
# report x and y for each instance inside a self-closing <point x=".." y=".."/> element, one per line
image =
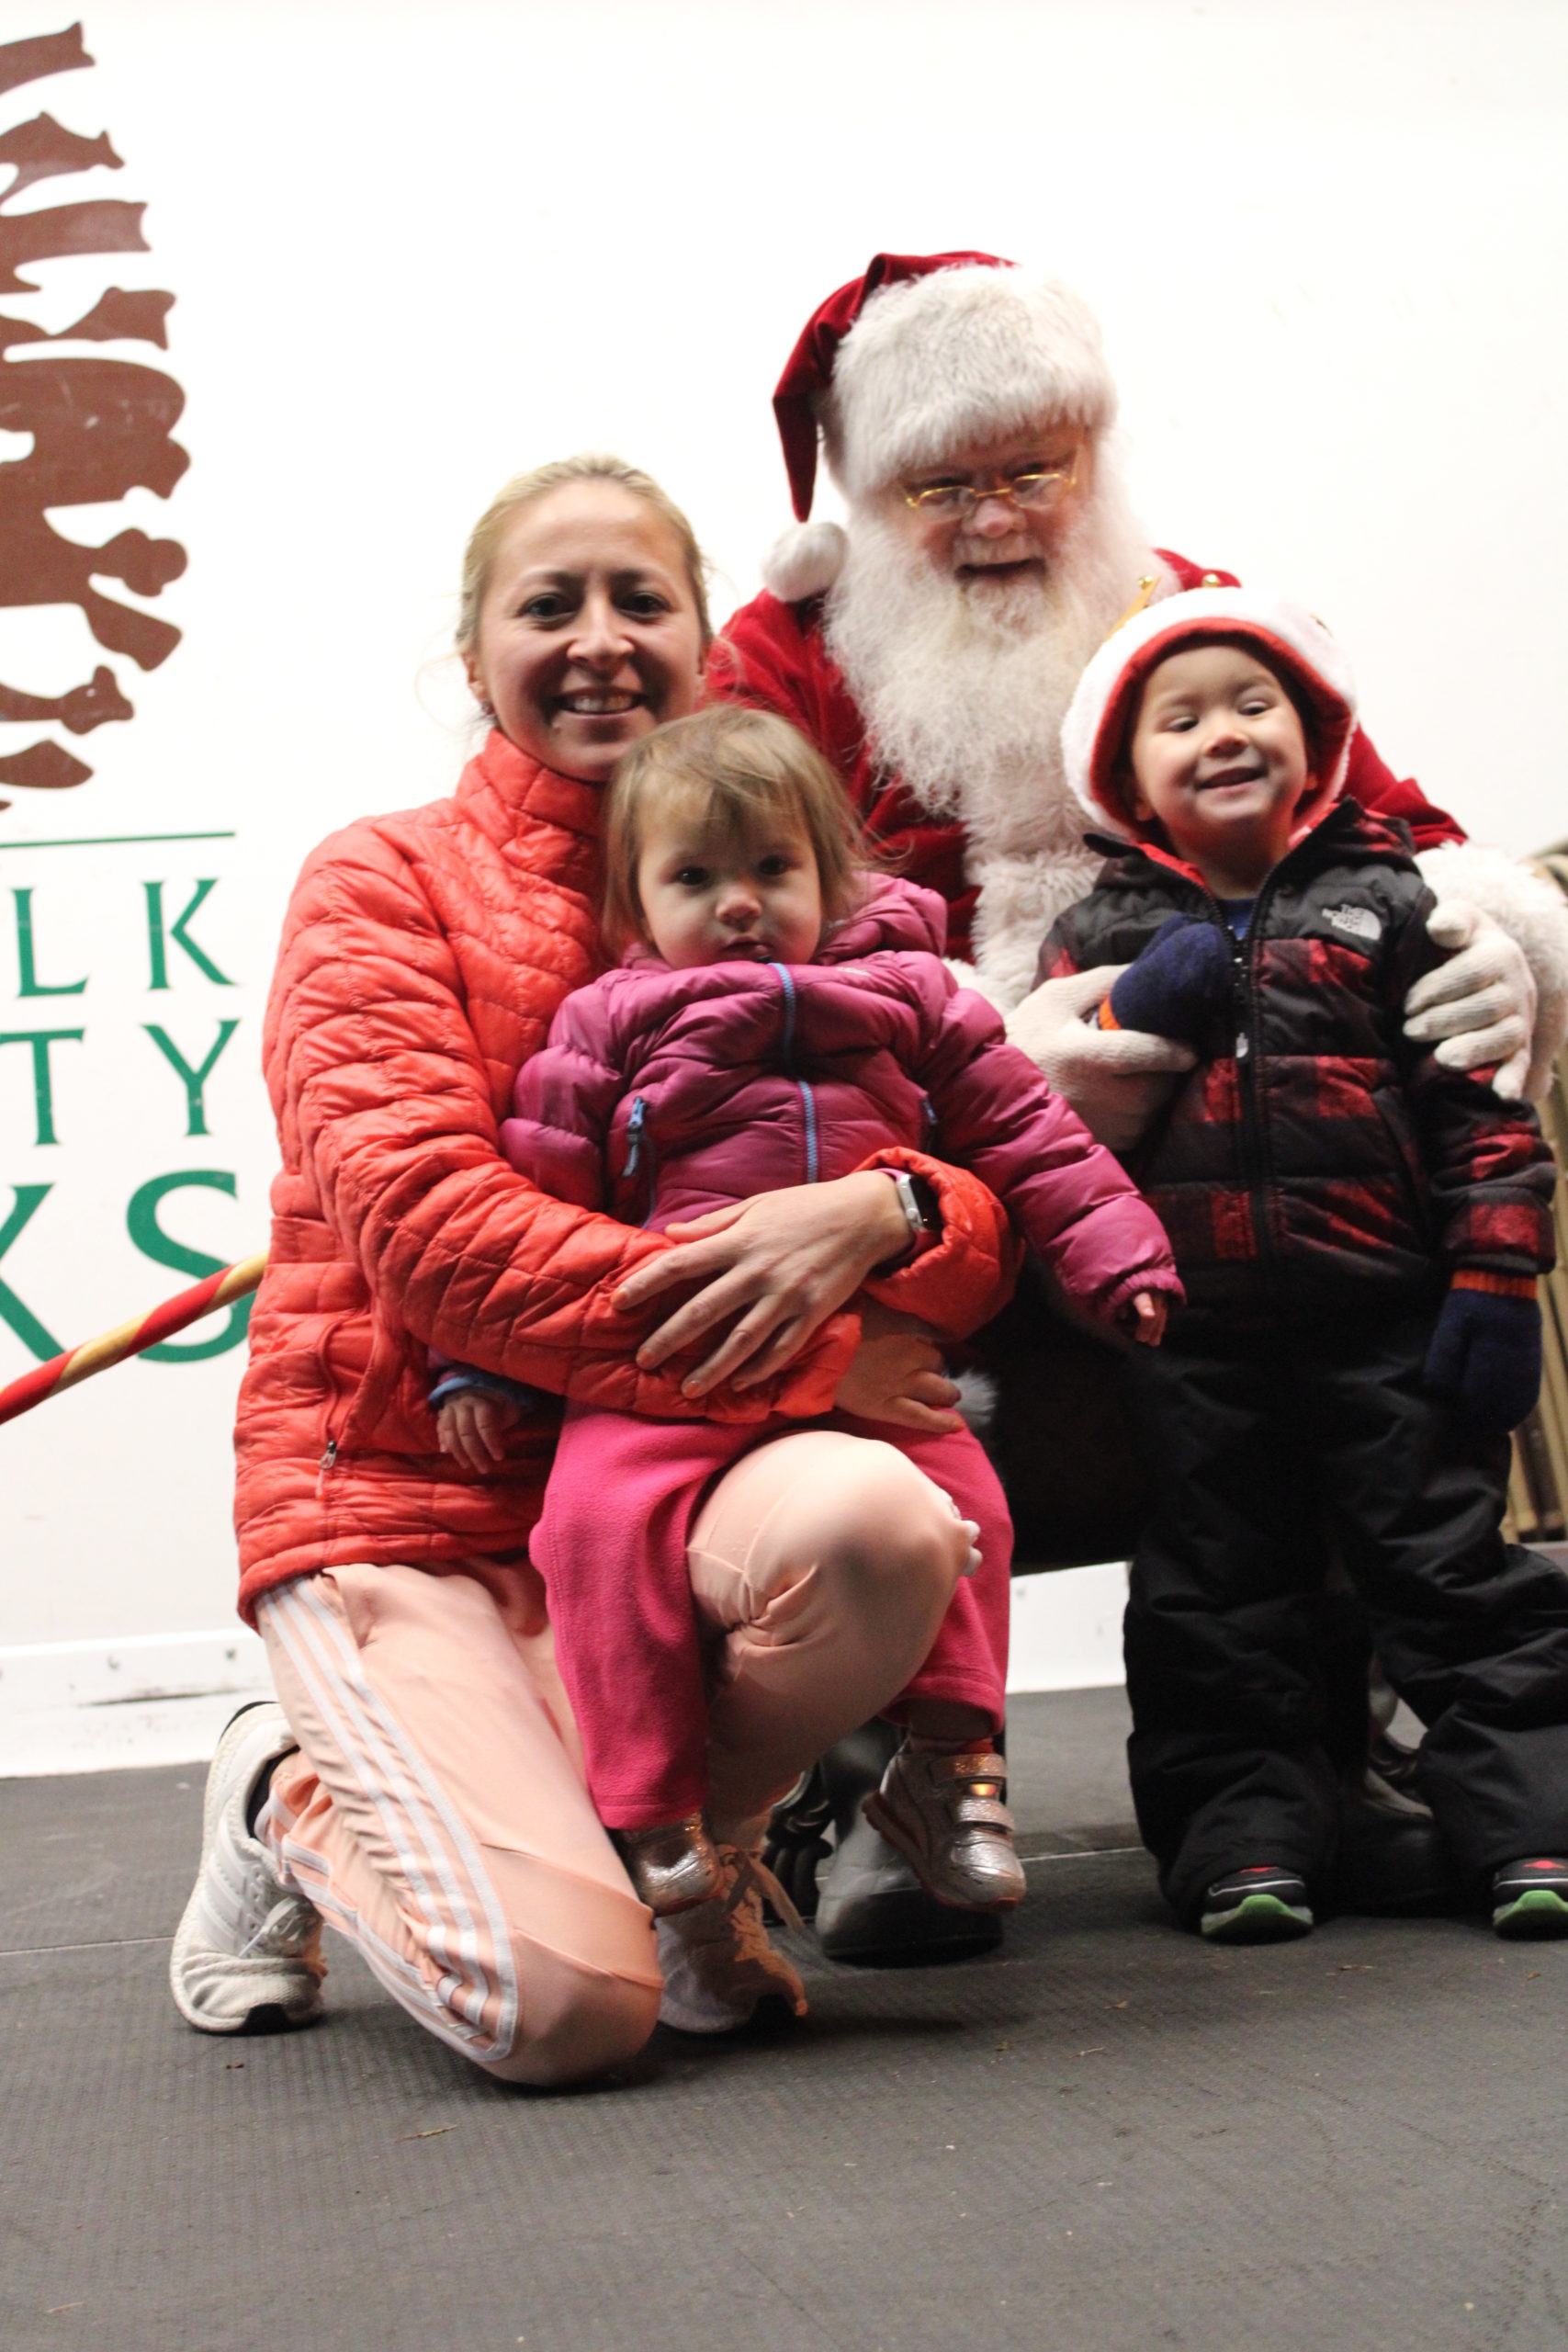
<point x="1083" y="749"/>
<point x="1534" y="913"/>
<point x="806" y="561"/>
<point x="958" y="355"/>
<point x="1532" y="910"/>
<point x="976" y="1398"/>
<point x="1019" y="898"/>
<point x="968" y="977"/>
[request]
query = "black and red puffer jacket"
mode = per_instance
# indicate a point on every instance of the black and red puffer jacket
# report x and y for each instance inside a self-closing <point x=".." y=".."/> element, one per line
<point x="1314" y="1158"/>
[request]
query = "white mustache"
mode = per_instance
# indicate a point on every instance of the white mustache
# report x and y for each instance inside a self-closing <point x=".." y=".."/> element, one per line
<point x="965" y="687"/>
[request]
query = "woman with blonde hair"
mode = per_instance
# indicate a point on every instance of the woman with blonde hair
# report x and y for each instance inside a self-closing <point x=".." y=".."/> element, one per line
<point x="420" y="1785"/>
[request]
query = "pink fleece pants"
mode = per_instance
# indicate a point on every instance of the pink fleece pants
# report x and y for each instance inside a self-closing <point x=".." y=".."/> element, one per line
<point x="436" y="1812"/>
<point x="638" y="1620"/>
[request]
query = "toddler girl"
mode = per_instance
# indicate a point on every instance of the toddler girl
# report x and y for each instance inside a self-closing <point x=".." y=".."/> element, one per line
<point x="780" y="1015"/>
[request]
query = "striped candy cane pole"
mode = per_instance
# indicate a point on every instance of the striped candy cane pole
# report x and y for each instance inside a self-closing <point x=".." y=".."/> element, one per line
<point x="128" y="1339"/>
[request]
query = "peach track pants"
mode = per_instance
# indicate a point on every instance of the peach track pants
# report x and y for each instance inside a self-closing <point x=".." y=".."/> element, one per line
<point x="437" y="1813"/>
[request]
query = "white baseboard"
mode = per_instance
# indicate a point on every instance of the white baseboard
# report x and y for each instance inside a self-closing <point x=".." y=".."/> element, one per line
<point x="148" y="1699"/>
<point x="1066" y="1629"/>
<point x="163" y="1698"/>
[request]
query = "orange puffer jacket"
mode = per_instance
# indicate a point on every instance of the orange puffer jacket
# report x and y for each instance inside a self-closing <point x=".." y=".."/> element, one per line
<point x="424" y="956"/>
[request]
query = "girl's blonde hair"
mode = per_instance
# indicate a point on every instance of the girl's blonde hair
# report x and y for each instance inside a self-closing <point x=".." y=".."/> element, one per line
<point x="741" y="768"/>
<point x="523" y="489"/>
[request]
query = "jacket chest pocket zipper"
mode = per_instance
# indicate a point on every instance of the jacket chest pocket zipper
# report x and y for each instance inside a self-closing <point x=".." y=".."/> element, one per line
<point x="640" y="1151"/>
<point x="635" y="1126"/>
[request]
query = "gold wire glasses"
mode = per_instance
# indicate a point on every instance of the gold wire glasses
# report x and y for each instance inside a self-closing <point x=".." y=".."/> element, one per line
<point x="1031" y="486"/>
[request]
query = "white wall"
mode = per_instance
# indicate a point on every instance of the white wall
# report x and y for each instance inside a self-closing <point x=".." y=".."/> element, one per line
<point x="417" y="247"/>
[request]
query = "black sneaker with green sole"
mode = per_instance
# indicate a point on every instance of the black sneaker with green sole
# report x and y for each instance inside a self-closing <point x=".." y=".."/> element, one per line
<point x="1530" y="1899"/>
<point x="1259" y="1905"/>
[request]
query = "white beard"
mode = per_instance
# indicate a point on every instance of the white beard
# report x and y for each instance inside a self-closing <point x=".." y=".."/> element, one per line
<point x="964" y="697"/>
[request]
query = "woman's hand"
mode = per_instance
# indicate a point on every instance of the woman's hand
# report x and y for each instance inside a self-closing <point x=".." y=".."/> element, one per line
<point x="779" y="1264"/>
<point x="897" y="1375"/>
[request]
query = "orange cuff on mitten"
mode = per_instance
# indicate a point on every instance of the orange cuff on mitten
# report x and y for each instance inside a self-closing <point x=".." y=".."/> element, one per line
<point x="1500" y="1285"/>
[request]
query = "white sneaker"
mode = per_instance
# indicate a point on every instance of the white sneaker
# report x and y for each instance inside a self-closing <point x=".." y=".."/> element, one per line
<point x="246" y="1942"/>
<point x="718" y="1962"/>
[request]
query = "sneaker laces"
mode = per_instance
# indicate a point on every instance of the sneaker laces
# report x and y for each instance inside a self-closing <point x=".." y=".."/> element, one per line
<point x="752" y="1876"/>
<point x="287" y="1928"/>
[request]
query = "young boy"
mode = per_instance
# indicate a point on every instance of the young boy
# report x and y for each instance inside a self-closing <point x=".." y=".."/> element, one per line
<point x="1358" y="1230"/>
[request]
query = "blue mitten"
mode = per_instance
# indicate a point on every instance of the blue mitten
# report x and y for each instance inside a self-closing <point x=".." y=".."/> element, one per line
<point x="1485" y="1354"/>
<point x="1178" y="985"/>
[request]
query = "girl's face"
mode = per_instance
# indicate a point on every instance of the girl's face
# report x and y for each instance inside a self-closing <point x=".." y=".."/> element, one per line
<point x="589" y="634"/>
<point x="712" y="896"/>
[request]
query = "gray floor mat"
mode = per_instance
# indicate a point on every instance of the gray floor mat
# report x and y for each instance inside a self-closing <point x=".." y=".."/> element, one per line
<point x="1105" y="2139"/>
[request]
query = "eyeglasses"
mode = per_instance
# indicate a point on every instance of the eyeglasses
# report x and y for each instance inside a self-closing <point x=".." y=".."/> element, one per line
<point x="1035" y="486"/>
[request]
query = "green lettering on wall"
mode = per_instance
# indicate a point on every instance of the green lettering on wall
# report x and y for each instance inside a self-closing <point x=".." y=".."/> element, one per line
<point x="40" y="1041"/>
<point x="193" y="1080"/>
<point x="158" y="942"/>
<point x="25" y="1325"/>
<point x="141" y="1222"/>
<point x="26" y="964"/>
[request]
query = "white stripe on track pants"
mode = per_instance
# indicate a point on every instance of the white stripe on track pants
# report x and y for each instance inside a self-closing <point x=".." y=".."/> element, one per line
<point x="437" y="1813"/>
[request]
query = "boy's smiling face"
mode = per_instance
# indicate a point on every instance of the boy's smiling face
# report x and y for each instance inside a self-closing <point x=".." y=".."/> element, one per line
<point x="1219" y="758"/>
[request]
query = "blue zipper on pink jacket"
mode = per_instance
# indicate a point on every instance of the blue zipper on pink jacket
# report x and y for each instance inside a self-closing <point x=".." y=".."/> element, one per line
<point x="808" y="1098"/>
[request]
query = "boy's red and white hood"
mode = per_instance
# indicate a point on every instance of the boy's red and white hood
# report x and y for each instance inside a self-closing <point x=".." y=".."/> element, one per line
<point x="1094" y="733"/>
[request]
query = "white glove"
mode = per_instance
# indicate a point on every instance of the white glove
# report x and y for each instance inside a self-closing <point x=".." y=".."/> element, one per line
<point x="1480" y="1003"/>
<point x="1116" y="1080"/>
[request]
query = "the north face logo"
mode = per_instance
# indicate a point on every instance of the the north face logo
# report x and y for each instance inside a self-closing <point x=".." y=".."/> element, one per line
<point x="1359" y="922"/>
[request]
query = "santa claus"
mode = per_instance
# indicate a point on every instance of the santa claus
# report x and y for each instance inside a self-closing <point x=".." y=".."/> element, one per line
<point x="931" y="648"/>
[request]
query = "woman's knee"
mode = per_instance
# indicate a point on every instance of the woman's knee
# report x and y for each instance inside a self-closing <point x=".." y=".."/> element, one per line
<point x="579" y="2025"/>
<point x="884" y="1521"/>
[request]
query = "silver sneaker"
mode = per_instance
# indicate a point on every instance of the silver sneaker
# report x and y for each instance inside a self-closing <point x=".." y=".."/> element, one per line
<point x="719" y="1964"/>
<point x="946" y="1814"/>
<point x="246" y="1942"/>
<point x="674" y="1867"/>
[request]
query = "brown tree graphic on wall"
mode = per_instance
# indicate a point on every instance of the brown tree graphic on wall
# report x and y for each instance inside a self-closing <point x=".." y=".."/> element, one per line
<point x="99" y="427"/>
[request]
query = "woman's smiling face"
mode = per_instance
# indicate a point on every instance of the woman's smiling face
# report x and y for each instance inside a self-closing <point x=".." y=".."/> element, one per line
<point x="589" y="633"/>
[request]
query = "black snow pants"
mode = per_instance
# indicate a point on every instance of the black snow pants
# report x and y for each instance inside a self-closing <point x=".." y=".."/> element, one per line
<point x="1261" y="1447"/>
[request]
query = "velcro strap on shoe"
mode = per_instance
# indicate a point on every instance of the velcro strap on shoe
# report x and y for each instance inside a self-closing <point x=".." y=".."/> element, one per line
<point x="981" y="1812"/>
<point x="979" y="1797"/>
<point x="973" y="1764"/>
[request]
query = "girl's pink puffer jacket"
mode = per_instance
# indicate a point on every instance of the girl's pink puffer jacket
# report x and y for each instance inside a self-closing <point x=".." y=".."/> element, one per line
<point x="663" y="1095"/>
<point x="424" y="956"/>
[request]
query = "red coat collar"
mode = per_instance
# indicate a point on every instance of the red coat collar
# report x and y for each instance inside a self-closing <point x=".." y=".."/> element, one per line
<point x="501" y="786"/>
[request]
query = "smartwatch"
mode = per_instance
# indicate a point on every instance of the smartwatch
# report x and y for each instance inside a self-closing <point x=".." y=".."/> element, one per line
<point x="919" y="1205"/>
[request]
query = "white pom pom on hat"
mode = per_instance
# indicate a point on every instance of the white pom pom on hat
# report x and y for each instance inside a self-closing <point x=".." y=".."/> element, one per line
<point x="805" y="561"/>
<point x="1288" y="637"/>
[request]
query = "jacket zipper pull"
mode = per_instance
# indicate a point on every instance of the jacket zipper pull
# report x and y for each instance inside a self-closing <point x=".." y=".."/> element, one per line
<point x="1238" y="966"/>
<point x="328" y="1461"/>
<point x="634" y="1135"/>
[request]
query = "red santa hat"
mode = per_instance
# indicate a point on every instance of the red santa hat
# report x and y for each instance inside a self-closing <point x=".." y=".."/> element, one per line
<point x="1289" y="640"/>
<point x="907" y="363"/>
